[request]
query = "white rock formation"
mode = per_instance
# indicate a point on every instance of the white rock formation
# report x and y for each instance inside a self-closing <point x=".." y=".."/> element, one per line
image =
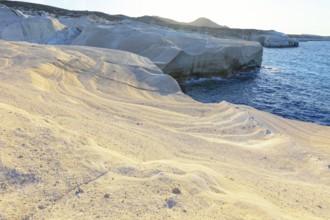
<point x="274" y="39"/>
<point x="181" y="54"/>
<point x="8" y="16"/>
<point x="38" y="29"/>
<point x="177" y="53"/>
<point x="34" y="29"/>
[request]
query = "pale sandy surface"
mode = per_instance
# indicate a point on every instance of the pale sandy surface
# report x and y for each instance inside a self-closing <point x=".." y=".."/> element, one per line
<point x="81" y="138"/>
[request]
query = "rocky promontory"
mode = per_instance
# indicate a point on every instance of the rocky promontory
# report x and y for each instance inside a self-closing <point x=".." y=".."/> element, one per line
<point x="182" y="54"/>
<point x="179" y="54"/>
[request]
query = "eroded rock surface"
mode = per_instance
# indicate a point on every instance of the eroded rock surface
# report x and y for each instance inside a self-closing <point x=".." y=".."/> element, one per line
<point x="179" y="53"/>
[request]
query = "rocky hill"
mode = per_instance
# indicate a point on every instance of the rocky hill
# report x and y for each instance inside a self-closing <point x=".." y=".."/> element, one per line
<point x="205" y="22"/>
<point x="199" y="22"/>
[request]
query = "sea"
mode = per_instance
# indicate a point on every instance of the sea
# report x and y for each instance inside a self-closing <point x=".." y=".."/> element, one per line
<point x="293" y="83"/>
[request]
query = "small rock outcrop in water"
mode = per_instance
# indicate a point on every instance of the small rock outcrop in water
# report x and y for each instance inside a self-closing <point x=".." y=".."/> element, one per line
<point x="179" y="53"/>
<point x="274" y="39"/>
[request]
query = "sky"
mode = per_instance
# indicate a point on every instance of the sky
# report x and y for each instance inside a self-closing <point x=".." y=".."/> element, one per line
<point x="288" y="16"/>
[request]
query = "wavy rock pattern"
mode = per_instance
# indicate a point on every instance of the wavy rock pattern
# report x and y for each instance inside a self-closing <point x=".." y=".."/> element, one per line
<point x="92" y="133"/>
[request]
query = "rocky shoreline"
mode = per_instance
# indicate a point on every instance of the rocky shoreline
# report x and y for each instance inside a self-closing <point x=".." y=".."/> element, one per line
<point x="89" y="132"/>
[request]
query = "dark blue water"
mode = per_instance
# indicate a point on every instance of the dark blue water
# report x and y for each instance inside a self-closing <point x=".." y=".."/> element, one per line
<point x="293" y="83"/>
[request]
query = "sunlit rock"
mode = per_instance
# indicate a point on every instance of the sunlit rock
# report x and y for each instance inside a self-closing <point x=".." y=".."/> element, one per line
<point x="178" y="53"/>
